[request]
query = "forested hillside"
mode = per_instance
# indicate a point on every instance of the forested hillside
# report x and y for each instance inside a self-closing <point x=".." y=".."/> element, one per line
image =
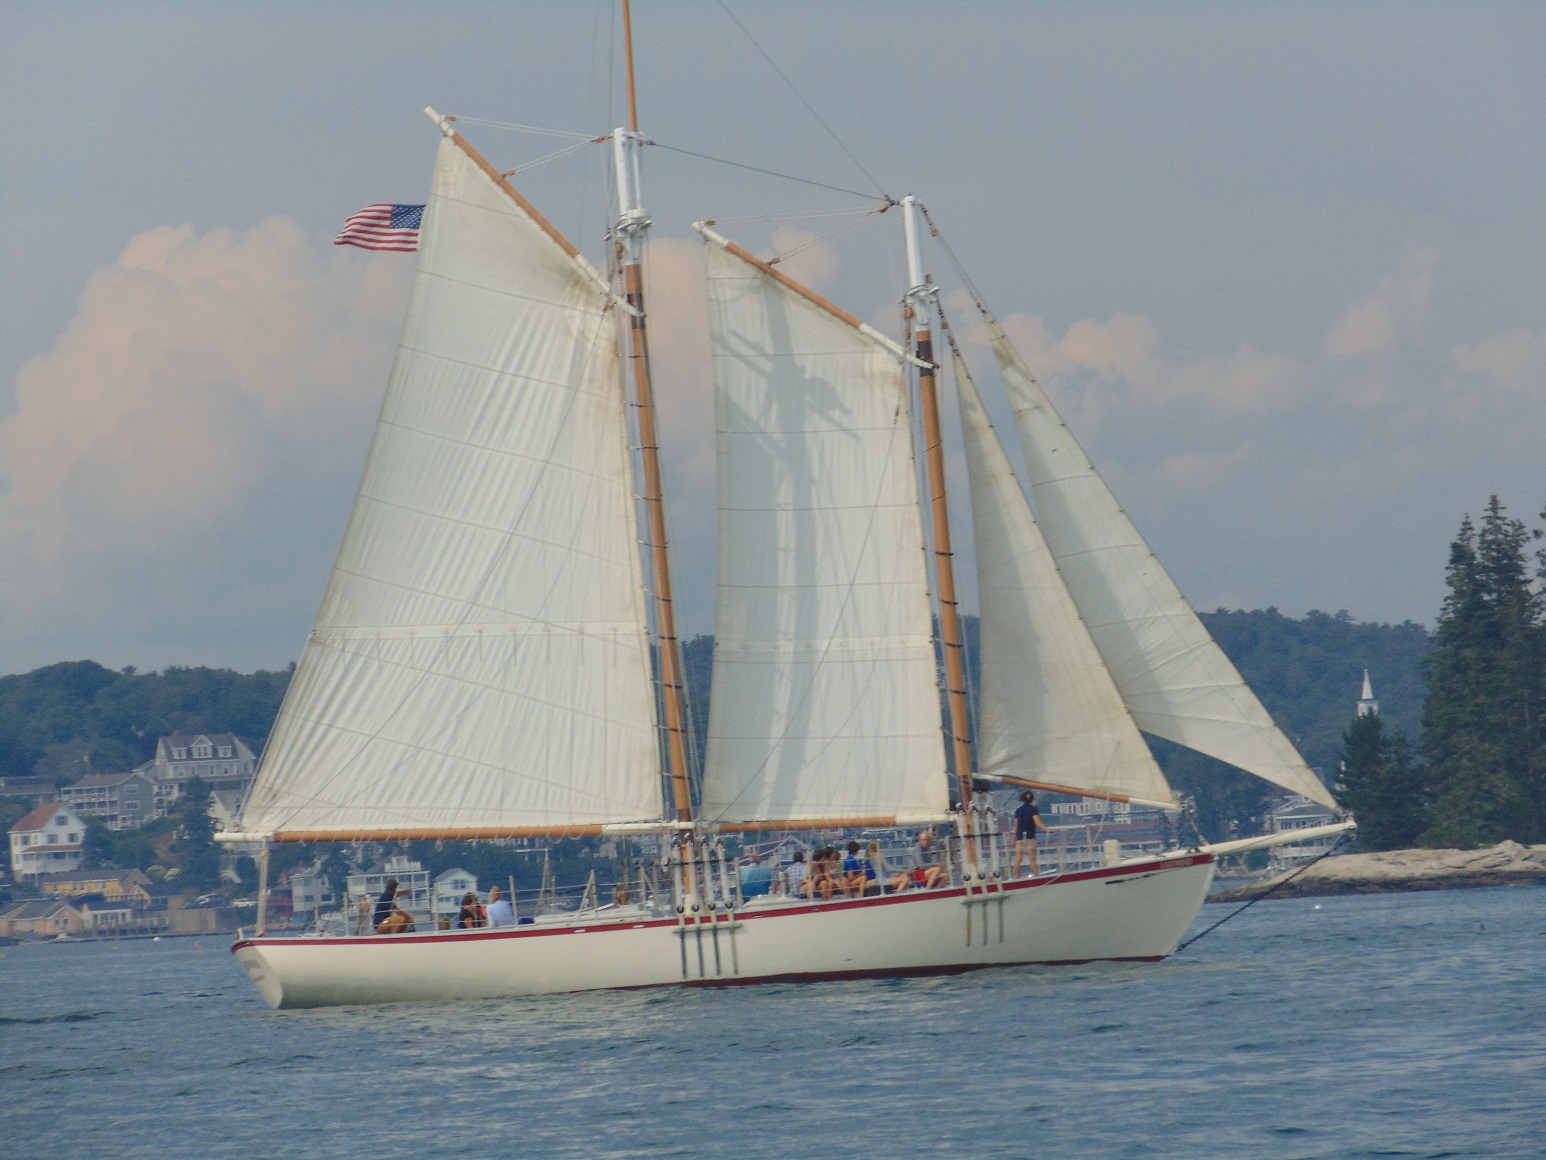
<point x="54" y="720"/>
<point x="1307" y="672"/>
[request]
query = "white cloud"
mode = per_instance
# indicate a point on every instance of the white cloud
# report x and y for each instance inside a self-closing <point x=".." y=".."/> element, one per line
<point x="1373" y="324"/>
<point x="203" y="377"/>
<point x="1515" y="360"/>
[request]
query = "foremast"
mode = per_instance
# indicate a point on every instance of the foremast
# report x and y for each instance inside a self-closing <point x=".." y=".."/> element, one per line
<point x="918" y="311"/>
<point x="633" y="224"/>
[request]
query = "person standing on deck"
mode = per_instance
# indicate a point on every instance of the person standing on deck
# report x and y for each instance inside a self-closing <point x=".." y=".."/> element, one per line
<point x="383" y="909"/>
<point x="1027" y="822"/>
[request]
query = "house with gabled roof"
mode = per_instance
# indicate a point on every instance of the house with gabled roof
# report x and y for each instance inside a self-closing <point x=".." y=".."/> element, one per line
<point x="124" y="801"/>
<point x="221" y="760"/>
<point x="49" y="840"/>
<point x="113" y="884"/>
<point x="45" y="917"/>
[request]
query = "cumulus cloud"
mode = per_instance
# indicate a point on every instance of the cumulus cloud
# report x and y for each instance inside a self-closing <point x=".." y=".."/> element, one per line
<point x="1372" y="324"/>
<point x="1515" y="360"/>
<point x="205" y="378"/>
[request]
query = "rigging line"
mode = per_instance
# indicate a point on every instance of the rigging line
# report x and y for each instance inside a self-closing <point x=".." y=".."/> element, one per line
<point x="537" y="129"/>
<point x="890" y="201"/>
<point x="1330" y="850"/>
<point x="808" y="106"/>
<point x="546" y="157"/>
<point x="832" y="233"/>
<point x="797" y="216"/>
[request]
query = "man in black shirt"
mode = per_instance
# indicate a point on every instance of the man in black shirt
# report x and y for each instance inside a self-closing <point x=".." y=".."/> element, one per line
<point x="384" y="905"/>
<point x="1027" y="822"/>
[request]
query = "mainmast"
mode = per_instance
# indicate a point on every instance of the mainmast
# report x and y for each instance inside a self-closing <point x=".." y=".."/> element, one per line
<point x="919" y="301"/>
<point x="632" y="224"/>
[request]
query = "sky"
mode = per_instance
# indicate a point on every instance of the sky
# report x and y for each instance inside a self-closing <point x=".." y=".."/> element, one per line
<point x="1282" y="268"/>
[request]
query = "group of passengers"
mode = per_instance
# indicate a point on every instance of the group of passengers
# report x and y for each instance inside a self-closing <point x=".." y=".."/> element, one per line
<point x="389" y="917"/>
<point x="862" y="871"/>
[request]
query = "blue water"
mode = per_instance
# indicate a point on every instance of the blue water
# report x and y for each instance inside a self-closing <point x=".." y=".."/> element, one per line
<point x="1395" y="1026"/>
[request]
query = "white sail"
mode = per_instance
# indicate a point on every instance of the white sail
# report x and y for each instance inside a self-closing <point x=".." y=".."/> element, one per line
<point x="824" y="701"/>
<point x="481" y="660"/>
<point x="1174" y="679"/>
<point x="1049" y="711"/>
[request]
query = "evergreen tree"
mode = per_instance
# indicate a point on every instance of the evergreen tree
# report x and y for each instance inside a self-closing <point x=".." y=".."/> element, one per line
<point x="1382" y="786"/>
<point x="197" y="855"/>
<point x="1482" y="720"/>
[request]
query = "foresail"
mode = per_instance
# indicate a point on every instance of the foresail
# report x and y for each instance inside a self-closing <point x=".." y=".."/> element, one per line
<point x="824" y="701"/>
<point x="481" y="661"/>
<point x="1049" y="711"/>
<point x="1176" y="682"/>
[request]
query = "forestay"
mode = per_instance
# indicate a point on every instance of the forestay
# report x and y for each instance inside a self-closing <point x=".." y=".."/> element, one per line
<point x="824" y="701"/>
<point x="1174" y="679"/>
<point x="481" y="658"/>
<point x="1049" y="710"/>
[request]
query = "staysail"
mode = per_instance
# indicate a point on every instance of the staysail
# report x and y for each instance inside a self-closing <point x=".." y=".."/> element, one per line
<point x="481" y="661"/>
<point x="1175" y="680"/>
<point x="824" y="701"/>
<point x="1049" y="710"/>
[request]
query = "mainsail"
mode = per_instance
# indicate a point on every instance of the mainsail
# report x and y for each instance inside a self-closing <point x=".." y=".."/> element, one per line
<point x="1049" y="710"/>
<point x="824" y="700"/>
<point x="1174" y="679"/>
<point x="481" y="661"/>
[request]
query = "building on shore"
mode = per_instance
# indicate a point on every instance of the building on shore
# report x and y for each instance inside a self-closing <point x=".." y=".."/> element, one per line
<point x="38" y="790"/>
<point x="1299" y="813"/>
<point x="221" y="760"/>
<point x="41" y="918"/>
<point x="124" y="801"/>
<point x="112" y="884"/>
<point x="49" y="840"/>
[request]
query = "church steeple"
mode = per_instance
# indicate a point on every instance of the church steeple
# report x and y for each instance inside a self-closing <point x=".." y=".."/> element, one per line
<point x="1367" y="705"/>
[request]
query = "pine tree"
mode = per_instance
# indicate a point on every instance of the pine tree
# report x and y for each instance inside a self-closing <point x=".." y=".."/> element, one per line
<point x="1382" y="785"/>
<point x="1482" y="720"/>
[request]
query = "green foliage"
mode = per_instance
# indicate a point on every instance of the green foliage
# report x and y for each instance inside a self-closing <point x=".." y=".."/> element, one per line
<point x="198" y="858"/>
<point x="1383" y="786"/>
<point x="1483" y="733"/>
<point x="52" y="720"/>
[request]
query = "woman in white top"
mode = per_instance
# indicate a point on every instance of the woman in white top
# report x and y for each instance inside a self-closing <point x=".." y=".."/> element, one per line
<point x="500" y="912"/>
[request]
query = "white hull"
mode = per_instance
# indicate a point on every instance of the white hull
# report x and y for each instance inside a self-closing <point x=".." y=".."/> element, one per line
<point x="1137" y="911"/>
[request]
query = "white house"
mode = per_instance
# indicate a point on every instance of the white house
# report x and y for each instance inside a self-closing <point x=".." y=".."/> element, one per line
<point x="47" y="841"/>
<point x="1299" y="813"/>
<point x="451" y="887"/>
<point x="220" y="760"/>
<point x="309" y="890"/>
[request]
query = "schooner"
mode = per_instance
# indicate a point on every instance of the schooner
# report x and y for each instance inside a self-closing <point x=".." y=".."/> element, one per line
<point x="495" y="656"/>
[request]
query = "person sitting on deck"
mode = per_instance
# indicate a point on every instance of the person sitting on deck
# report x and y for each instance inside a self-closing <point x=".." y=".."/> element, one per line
<point x="854" y="877"/>
<point x="874" y="869"/>
<point x="472" y="914"/>
<point x="794" y="875"/>
<point x="499" y="910"/>
<point x="384" y="905"/>
<point x="926" y="870"/>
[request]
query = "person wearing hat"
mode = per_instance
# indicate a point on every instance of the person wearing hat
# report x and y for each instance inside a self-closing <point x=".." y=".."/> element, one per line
<point x="500" y="912"/>
<point x="1027" y="822"/>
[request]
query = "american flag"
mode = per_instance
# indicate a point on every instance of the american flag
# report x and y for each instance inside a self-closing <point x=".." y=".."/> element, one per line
<point x="383" y="227"/>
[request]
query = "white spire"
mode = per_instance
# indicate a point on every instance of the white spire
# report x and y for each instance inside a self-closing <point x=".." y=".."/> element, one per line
<point x="1367" y="705"/>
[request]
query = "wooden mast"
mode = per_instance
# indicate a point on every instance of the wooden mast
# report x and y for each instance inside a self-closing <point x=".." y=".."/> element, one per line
<point x="632" y="224"/>
<point x="918" y="300"/>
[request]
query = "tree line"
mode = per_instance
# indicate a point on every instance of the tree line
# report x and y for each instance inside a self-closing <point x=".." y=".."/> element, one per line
<point x="1477" y="774"/>
<point x="1456" y="757"/>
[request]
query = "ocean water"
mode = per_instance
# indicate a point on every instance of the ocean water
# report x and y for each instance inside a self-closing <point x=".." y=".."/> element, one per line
<point x="1393" y="1026"/>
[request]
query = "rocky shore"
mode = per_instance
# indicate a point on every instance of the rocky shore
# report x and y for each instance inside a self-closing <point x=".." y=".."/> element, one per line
<point x="1506" y="864"/>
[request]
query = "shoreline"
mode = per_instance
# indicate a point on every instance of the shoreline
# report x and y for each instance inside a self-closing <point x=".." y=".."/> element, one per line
<point x="1400" y="872"/>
